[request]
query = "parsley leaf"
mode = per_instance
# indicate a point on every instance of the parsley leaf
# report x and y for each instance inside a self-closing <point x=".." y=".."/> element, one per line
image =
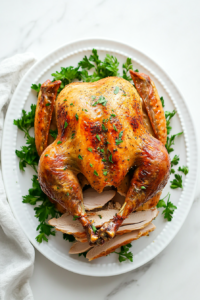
<point x="65" y="125"/>
<point x="102" y="100"/>
<point x="28" y="154"/>
<point x="116" y="90"/>
<point x="44" y="211"/>
<point x="169" y="207"/>
<point x="53" y="133"/>
<point x="110" y="158"/>
<point x="119" y="140"/>
<point x="76" y="117"/>
<point x="170" y="142"/>
<point x="95" y="173"/>
<point x="175" y="160"/>
<point x="168" y="116"/>
<point x="68" y="237"/>
<point x="85" y="64"/>
<point x="36" y="87"/>
<point x="94" y="228"/>
<point x="98" y="137"/>
<point x="124" y="254"/>
<point x="184" y="169"/>
<point x="162" y="101"/>
<point x="177" y="182"/>
<point x="127" y="66"/>
<point x="89" y="149"/>
<point x="80" y="157"/>
<point x="66" y="75"/>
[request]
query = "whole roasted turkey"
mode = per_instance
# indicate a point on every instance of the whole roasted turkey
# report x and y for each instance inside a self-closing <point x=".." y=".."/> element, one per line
<point x="102" y="134"/>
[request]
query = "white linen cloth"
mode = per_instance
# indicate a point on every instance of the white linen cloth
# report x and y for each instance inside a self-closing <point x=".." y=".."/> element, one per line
<point x="16" y="252"/>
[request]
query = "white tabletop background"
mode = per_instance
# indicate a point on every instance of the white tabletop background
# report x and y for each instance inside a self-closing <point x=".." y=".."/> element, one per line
<point x="168" y="32"/>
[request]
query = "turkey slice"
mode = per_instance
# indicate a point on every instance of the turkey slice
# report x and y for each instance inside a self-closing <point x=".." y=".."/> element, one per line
<point x="117" y="242"/>
<point x="66" y="224"/>
<point x="92" y="199"/>
<point x="79" y="247"/>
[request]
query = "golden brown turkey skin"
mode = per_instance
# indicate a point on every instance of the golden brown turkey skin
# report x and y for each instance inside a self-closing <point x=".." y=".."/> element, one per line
<point x="88" y="142"/>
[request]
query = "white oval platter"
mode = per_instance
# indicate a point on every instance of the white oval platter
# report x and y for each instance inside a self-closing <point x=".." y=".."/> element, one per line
<point x="17" y="183"/>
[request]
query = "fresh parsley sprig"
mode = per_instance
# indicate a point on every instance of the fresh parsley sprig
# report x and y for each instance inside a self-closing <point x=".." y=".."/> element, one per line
<point x="124" y="254"/>
<point x="177" y="182"/>
<point x="28" y="154"/>
<point x="168" y="116"/>
<point x="170" y="142"/>
<point x="184" y="169"/>
<point x="169" y="207"/>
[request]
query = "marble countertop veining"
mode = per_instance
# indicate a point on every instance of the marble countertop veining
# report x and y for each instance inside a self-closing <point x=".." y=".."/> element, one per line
<point x="167" y="31"/>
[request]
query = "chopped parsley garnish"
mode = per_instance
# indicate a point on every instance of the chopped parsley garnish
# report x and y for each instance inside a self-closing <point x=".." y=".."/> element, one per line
<point x="113" y="115"/>
<point x="94" y="228"/>
<point x="102" y="150"/>
<point x="65" y="125"/>
<point x="124" y="254"/>
<point x="119" y="140"/>
<point x="89" y="149"/>
<point x="115" y="128"/>
<point x="105" y="173"/>
<point x="110" y="158"/>
<point x="104" y="127"/>
<point x="72" y="104"/>
<point x="75" y="218"/>
<point x="91" y="165"/>
<point x="162" y="101"/>
<point x="98" y="137"/>
<point x="177" y="182"/>
<point x="102" y="100"/>
<point x="86" y="110"/>
<point x="46" y="154"/>
<point x="100" y="216"/>
<point x="116" y="90"/>
<point x="184" y="169"/>
<point x="76" y="117"/>
<point x="59" y="142"/>
<point x="95" y="173"/>
<point x="80" y="157"/>
<point x="93" y="97"/>
<point x="104" y="160"/>
<point x="53" y="133"/>
<point x="143" y="187"/>
<point x="65" y="100"/>
<point x="48" y="104"/>
<point x="169" y="207"/>
<point x="73" y="135"/>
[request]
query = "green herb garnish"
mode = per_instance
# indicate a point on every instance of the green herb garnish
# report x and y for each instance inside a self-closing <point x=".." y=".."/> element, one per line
<point x="124" y="254"/>
<point x="169" y="207"/>
<point x="177" y="182"/>
<point x="184" y="169"/>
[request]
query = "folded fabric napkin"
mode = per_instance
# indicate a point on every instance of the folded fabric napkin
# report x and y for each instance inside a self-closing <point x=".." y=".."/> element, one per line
<point x="16" y="252"/>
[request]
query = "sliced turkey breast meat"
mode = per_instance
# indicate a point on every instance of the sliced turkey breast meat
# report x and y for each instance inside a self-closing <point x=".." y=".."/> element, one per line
<point x="117" y="242"/>
<point x="79" y="247"/>
<point x="66" y="224"/>
<point x="92" y="199"/>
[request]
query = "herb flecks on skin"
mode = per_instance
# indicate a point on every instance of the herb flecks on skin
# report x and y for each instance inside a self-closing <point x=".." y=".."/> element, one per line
<point x="102" y="100"/>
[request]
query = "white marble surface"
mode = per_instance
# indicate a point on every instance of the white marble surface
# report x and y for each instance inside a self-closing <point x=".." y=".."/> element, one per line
<point x="168" y="31"/>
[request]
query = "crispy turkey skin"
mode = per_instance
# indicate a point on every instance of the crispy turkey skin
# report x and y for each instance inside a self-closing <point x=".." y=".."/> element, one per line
<point x="101" y="134"/>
